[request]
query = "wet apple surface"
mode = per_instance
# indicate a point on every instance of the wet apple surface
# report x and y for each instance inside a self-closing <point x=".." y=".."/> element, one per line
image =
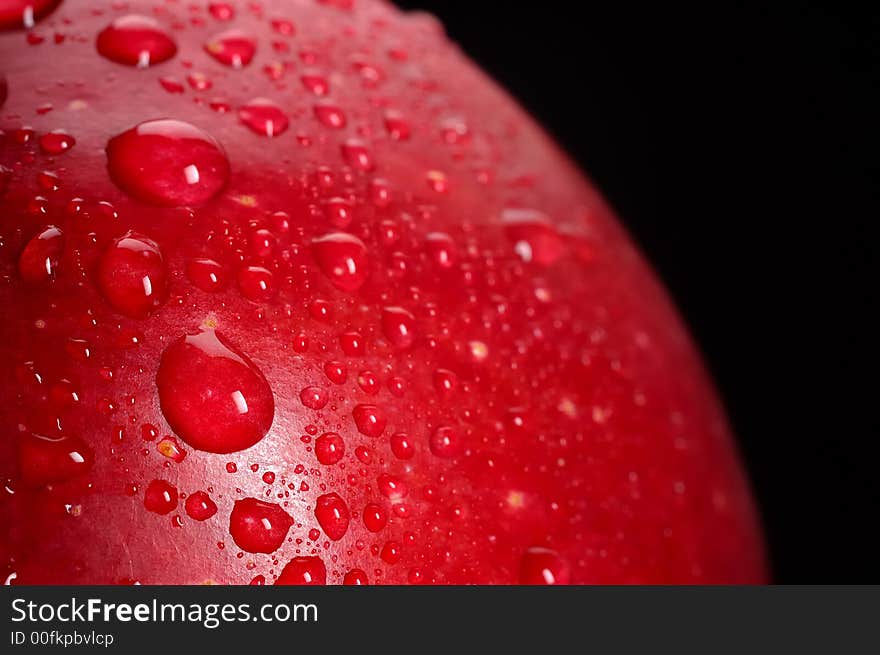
<point x="295" y="294"/>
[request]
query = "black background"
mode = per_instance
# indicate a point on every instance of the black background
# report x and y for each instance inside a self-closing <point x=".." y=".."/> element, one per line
<point x="736" y="144"/>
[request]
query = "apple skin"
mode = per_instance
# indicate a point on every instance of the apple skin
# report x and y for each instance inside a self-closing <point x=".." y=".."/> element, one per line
<point x="521" y="403"/>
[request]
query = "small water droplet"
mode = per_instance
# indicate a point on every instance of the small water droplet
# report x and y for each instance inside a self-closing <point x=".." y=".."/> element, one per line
<point x="303" y="571"/>
<point x="355" y="577"/>
<point x="375" y="517"/>
<point x="160" y="497"/>
<point x="232" y="48"/>
<point x="445" y="442"/>
<point x="390" y="552"/>
<point x="167" y="162"/>
<point x="256" y="283"/>
<point x="38" y="261"/>
<point x="397" y="126"/>
<point x="257" y="526"/>
<point x="534" y="237"/>
<point x="264" y="117"/>
<point x="43" y="460"/>
<point x="329" y="448"/>
<point x="343" y="258"/>
<point x="212" y="395"/>
<point x="542" y="566"/>
<point x="398" y="325"/>
<point x="221" y="10"/>
<point x="136" y="40"/>
<point x="357" y="155"/>
<point x="199" y="506"/>
<point x="56" y="142"/>
<point x="329" y="115"/>
<point x="314" y="397"/>
<point x="370" y="420"/>
<point x="132" y="275"/>
<point x="206" y="274"/>
<point x="332" y="514"/>
<point x="402" y="446"/>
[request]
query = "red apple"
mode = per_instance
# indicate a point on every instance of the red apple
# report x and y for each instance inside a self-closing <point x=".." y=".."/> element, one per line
<point x="292" y="292"/>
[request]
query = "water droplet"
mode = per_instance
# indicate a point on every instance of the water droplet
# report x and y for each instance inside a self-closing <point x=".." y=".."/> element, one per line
<point x="43" y="460"/>
<point x="336" y="372"/>
<point x="315" y="83"/>
<point x="232" y="48"/>
<point x="333" y="516"/>
<point x="329" y="115"/>
<point x="167" y="162"/>
<point x="369" y="419"/>
<point x="132" y="275"/>
<point x="329" y="448"/>
<point x="534" y="237"/>
<point x="445" y="442"/>
<point x="56" y="142"/>
<point x="368" y="381"/>
<point x="357" y="155"/>
<point x="303" y="571"/>
<point x="542" y="566"/>
<point x="264" y="117"/>
<point x="160" y="497"/>
<point x="338" y="212"/>
<point x="206" y="274"/>
<point x="24" y="13"/>
<point x="355" y="577"/>
<point x="375" y="517"/>
<point x="38" y="261"/>
<point x="402" y="446"/>
<point x="399" y="326"/>
<point x="437" y="181"/>
<point x="314" y="397"/>
<point x="445" y="381"/>
<point x="257" y="526"/>
<point x="397" y="126"/>
<point x="390" y="552"/>
<point x="200" y="507"/>
<point x="212" y="395"/>
<point x="136" y="40"/>
<point x="221" y="10"/>
<point x="269" y="477"/>
<point x="352" y="344"/>
<point x="256" y="283"/>
<point x="441" y="248"/>
<point x="343" y="258"/>
<point x="169" y="448"/>
<point x="391" y="487"/>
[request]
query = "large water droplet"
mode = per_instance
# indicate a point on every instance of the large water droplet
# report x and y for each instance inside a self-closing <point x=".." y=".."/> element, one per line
<point x="38" y="261"/>
<point x="132" y="275"/>
<point x="233" y="48"/>
<point x="303" y="571"/>
<point x="264" y="117"/>
<point x="343" y="258"/>
<point x="136" y="40"/>
<point x="542" y="566"/>
<point x="257" y="526"/>
<point x="212" y="395"/>
<point x="333" y="516"/>
<point x="167" y="162"/>
<point x="44" y="460"/>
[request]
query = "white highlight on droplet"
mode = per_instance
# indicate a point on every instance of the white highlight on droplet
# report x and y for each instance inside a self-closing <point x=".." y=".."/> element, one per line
<point x="240" y="402"/>
<point x="192" y="174"/>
